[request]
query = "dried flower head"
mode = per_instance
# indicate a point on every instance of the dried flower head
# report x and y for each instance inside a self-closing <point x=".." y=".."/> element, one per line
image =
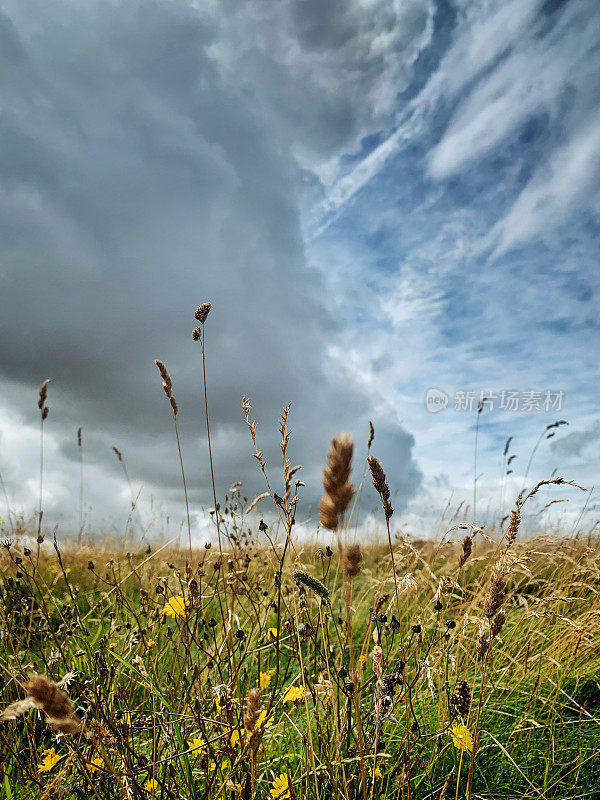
<point x="377" y="659"/>
<point x="202" y="312"/>
<point x="351" y="558"/>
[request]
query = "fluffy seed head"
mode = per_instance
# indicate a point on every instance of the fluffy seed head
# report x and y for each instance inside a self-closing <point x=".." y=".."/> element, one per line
<point x="338" y="488"/>
<point x="49" y="697"/>
<point x="351" y="558"/>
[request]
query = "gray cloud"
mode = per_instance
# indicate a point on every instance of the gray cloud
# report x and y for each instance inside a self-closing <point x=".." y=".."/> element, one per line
<point x="146" y="169"/>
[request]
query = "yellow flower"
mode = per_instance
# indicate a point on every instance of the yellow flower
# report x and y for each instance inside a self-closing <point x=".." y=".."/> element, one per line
<point x="150" y="643"/>
<point x="176" y="607"/>
<point x="112" y="646"/>
<point x="378" y="773"/>
<point x="125" y="718"/>
<point x="234" y="739"/>
<point x="263" y="721"/>
<point x="280" y="787"/>
<point x="197" y="744"/>
<point x="362" y="660"/>
<point x="272" y="633"/>
<point x="94" y="764"/>
<point x="49" y="760"/>
<point x="265" y="678"/>
<point x="150" y="785"/>
<point x="461" y="737"/>
<point x="293" y="693"/>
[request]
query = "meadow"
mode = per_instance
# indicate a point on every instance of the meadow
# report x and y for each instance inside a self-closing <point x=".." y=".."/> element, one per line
<point x="264" y="665"/>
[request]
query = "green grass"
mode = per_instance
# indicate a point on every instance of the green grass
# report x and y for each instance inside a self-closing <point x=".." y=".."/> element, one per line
<point x="146" y="684"/>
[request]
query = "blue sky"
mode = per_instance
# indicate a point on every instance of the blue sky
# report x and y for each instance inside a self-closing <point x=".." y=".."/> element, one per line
<point x="378" y="197"/>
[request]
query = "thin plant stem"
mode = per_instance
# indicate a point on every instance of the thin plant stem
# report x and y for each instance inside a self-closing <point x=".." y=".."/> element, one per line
<point x="41" y="474"/>
<point x="185" y="491"/>
<point x="8" y="511"/>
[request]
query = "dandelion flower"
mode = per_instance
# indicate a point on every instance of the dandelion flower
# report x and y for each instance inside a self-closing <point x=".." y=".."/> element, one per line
<point x="151" y="785"/>
<point x="265" y="678"/>
<point x="94" y="764"/>
<point x="196" y="744"/>
<point x="293" y="693"/>
<point x="280" y="788"/>
<point x="176" y="607"/>
<point x="461" y="737"/>
<point x="49" y="760"/>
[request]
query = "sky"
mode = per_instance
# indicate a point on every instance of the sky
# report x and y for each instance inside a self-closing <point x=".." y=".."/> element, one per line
<point x="393" y="206"/>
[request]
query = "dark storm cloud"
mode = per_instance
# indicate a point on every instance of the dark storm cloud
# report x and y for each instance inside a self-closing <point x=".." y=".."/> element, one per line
<point x="146" y="165"/>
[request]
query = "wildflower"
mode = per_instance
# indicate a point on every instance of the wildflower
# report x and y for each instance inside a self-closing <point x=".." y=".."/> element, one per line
<point x="197" y="744"/>
<point x="94" y="764"/>
<point x="293" y="693"/>
<point x="150" y="785"/>
<point x="176" y="607"/>
<point x="112" y="646"/>
<point x="272" y="633"/>
<point x="265" y="678"/>
<point x="234" y="739"/>
<point x="262" y="720"/>
<point x="280" y="787"/>
<point x="377" y="773"/>
<point x="362" y="660"/>
<point x="461" y="737"/>
<point x="150" y="643"/>
<point x="49" y="760"/>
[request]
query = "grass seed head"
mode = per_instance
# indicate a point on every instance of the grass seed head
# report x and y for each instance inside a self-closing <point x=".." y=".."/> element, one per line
<point x="336" y="482"/>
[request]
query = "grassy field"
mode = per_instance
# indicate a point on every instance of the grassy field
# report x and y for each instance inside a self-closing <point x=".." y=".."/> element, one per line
<point x="292" y="671"/>
<point x="264" y="666"/>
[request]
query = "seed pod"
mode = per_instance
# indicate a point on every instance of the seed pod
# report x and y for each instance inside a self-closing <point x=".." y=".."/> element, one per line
<point x="303" y="577"/>
<point x="461" y="699"/>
